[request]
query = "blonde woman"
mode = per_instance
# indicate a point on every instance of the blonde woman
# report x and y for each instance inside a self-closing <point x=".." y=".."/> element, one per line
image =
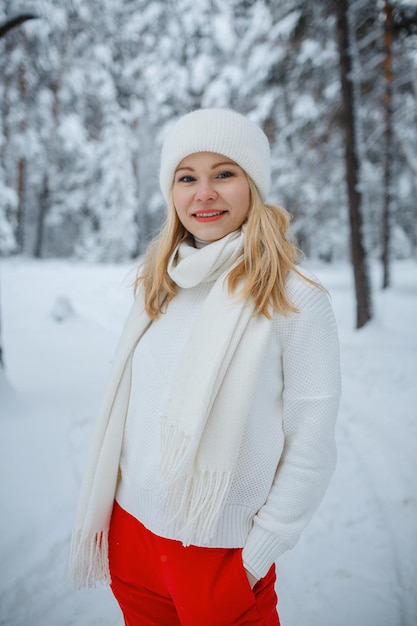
<point x="215" y="441"/>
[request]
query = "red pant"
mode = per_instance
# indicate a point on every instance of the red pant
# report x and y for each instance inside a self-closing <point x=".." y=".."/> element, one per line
<point x="159" y="582"/>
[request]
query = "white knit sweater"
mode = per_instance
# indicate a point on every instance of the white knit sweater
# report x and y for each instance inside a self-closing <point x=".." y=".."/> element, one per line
<point x="287" y="454"/>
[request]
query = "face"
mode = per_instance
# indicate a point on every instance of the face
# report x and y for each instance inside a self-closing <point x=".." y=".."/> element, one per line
<point x="211" y="195"/>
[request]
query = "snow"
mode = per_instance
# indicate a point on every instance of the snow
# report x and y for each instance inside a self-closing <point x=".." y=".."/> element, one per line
<point x="286" y="26"/>
<point x="223" y="33"/>
<point x="305" y="107"/>
<point x="356" y="562"/>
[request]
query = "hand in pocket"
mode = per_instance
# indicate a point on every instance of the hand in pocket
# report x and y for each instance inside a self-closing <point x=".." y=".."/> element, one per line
<point x="251" y="578"/>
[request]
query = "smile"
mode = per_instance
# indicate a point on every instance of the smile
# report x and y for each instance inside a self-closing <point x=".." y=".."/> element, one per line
<point x="208" y="215"/>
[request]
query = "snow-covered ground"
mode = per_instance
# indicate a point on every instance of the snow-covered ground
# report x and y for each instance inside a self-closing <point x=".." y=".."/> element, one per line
<point x="356" y="564"/>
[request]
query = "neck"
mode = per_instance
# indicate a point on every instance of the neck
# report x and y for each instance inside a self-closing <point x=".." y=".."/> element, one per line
<point x="200" y="243"/>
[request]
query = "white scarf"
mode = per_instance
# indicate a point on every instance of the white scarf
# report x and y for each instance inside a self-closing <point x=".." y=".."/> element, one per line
<point x="202" y="426"/>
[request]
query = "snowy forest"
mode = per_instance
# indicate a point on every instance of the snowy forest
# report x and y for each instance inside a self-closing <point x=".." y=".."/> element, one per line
<point x="88" y="88"/>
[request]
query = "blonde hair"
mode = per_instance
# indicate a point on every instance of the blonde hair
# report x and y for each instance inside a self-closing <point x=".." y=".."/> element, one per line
<point x="269" y="253"/>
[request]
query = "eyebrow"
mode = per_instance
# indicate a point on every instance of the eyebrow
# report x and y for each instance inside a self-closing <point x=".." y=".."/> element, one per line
<point x="220" y="164"/>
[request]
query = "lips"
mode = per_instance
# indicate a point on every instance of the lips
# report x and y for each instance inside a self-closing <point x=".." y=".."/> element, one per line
<point x="208" y="216"/>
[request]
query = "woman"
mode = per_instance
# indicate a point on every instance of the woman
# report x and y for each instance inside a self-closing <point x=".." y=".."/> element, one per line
<point x="215" y="442"/>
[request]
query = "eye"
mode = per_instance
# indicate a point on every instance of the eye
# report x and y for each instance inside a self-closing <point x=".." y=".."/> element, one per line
<point x="186" y="179"/>
<point x="225" y="175"/>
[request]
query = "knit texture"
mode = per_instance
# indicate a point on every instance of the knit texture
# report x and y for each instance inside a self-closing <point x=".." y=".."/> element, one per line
<point x="222" y="131"/>
<point x="287" y="452"/>
<point x="198" y="447"/>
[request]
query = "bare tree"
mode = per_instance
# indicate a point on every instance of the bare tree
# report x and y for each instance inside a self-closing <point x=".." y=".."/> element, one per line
<point x="398" y="19"/>
<point x="21" y="163"/>
<point x="349" y="116"/>
<point x="1" y="344"/>
<point x="4" y="29"/>
<point x="386" y="215"/>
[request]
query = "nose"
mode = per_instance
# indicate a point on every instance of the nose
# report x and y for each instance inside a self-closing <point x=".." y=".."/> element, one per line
<point x="205" y="191"/>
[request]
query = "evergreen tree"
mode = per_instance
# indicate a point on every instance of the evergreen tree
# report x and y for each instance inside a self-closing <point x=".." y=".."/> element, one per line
<point x="89" y="88"/>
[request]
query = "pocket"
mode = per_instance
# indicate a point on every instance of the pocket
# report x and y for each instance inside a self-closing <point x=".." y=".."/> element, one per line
<point x="244" y="580"/>
<point x="221" y="593"/>
<point x="243" y="605"/>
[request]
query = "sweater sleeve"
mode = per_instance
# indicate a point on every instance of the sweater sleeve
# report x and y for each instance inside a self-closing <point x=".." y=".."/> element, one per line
<point x="311" y="376"/>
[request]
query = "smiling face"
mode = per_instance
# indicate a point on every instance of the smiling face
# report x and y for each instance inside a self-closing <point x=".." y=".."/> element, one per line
<point x="211" y="195"/>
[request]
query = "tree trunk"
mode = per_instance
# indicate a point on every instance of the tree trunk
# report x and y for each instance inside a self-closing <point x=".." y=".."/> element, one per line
<point x="386" y="216"/>
<point x="46" y="195"/>
<point x="42" y="212"/>
<point x="5" y="109"/>
<point x="1" y="343"/>
<point x="4" y="29"/>
<point x="358" y="253"/>
<point x="21" y="165"/>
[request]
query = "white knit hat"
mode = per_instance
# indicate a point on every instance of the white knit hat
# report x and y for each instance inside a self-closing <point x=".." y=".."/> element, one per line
<point x="222" y="131"/>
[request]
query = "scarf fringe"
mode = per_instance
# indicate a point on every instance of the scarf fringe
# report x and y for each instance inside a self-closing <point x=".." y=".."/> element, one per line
<point x="196" y="502"/>
<point x="177" y="451"/>
<point x="89" y="559"/>
<point x="194" y="499"/>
